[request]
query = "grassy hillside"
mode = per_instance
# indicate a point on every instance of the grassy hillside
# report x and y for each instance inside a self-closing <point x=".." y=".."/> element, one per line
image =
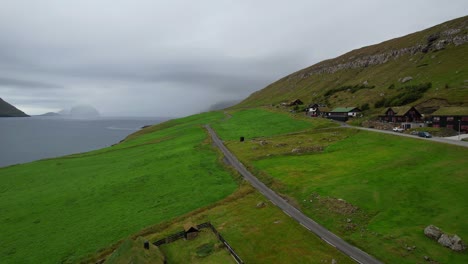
<point x="59" y="210"/>
<point x="8" y="110"/>
<point x="258" y="234"/>
<point x="436" y="55"/>
<point x="70" y="207"/>
<point x="377" y="191"/>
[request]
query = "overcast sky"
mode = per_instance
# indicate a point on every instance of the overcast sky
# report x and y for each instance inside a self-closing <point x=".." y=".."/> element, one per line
<point x="174" y="58"/>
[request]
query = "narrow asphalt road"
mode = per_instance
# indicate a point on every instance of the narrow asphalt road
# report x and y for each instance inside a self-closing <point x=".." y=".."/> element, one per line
<point x="435" y="139"/>
<point x="353" y="252"/>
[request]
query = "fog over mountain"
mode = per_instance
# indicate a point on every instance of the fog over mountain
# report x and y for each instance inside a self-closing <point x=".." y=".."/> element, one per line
<point x="173" y="58"/>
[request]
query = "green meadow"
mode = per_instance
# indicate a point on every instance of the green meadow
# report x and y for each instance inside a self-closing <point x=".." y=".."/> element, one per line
<point x="258" y="234"/>
<point x="59" y="210"/>
<point x="264" y="122"/>
<point x="205" y="248"/>
<point x="377" y="191"/>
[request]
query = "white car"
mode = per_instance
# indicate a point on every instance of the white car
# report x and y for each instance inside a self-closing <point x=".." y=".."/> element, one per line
<point x="398" y="129"/>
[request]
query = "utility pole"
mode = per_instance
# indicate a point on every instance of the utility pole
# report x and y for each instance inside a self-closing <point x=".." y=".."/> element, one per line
<point x="459" y="124"/>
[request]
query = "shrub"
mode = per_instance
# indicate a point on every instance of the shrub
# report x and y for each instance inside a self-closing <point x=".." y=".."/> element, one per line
<point x="380" y="103"/>
<point x="349" y="88"/>
<point x="365" y="107"/>
<point x="410" y="94"/>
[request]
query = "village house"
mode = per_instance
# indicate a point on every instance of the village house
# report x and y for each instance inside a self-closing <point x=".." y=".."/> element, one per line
<point x="455" y="118"/>
<point x="316" y="110"/>
<point x="343" y="113"/>
<point x="296" y="102"/>
<point x="406" y="116"/>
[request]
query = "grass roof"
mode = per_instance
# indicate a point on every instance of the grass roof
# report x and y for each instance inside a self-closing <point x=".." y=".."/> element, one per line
<point x="343" y="109"/>
<point x="399" y="110"/>
<point x="452" y="110"/>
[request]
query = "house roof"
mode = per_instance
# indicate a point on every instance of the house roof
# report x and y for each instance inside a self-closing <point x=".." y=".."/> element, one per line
<point x="189" y="225"/>
<point x="399" y="110"/>
<point x="453" y="110"/>
<point x="343" y="109"/>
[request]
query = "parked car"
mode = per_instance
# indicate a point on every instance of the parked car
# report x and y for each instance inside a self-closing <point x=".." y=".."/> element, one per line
<point x="398" y="129"/>
<point x="424" y="134"/>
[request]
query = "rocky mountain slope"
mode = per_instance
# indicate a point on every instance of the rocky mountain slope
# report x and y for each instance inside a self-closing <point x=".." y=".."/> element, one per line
<point x="8" y="110"/>
<point x="429" y="65"/>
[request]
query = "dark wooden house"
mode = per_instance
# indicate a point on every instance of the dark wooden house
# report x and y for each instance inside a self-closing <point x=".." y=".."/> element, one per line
<point x="296" y="102"/>
<point x="343" y="113"/>
<point x="455" y="118"/>
<point x="401" y="114"/>
<point x="191" y="231"/>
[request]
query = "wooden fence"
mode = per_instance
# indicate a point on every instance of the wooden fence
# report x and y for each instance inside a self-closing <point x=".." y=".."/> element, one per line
<point x="179" y="235"/>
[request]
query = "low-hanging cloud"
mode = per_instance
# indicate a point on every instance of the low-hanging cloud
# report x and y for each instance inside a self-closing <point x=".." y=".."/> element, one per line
<point x="175" y="58"/>
<point x="27" y="84"/>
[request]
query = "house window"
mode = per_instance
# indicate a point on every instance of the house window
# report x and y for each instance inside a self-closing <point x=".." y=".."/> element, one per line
<point x="449" y="118"/>
<point x="464" y="128"/>
<point x="464" y="118"/>
<point x="436" y="119"/>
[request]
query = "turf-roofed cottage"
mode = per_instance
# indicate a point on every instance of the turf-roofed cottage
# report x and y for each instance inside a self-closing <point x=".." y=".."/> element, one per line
<point x="191" y="231"/>
<point x="406" y="116"/>
<point x="343" y="113"/>
<point x="455" y="118"/>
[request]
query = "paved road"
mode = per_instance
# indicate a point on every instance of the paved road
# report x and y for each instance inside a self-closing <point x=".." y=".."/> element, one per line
<point x="353" y="252"/>
<point x="435" y="139"/>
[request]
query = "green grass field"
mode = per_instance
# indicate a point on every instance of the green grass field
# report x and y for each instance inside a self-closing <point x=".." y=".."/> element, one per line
<point x="60" y="210"/>
<point x="399" y="186"/>
<point x="67" y="208"/>
<point x="377" y="191"/>
<point x="132" y="251"/>
<point x="206" y="248"/>
<point x="257" y="234"/>
<point x="263" y="122"/>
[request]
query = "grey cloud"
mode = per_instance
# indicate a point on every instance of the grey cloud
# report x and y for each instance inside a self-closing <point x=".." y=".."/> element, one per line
<point x="132" y="57"/>
<point x="26" y="84"/>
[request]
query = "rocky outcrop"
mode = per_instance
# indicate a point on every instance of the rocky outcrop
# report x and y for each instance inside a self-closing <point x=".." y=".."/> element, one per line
<point x="454" y="242"/>
<point x="445" y="240"/>
<point x="432" y="232"/>
<point x="434" y="42"/>
<point x="457" y="244"/>
<point x="406" y="79"/>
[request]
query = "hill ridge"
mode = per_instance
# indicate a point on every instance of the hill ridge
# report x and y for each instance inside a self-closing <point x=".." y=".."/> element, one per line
<point x="435" y="55"/>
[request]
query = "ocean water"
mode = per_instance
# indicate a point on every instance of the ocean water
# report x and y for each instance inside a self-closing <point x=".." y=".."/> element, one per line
<point x="32" y="138"/>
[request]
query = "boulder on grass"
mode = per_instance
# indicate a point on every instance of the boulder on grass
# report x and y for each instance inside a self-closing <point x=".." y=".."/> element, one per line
<point x="457" y="244"/>
<point x="432" y="232"/>
<point x="445" y="240"/>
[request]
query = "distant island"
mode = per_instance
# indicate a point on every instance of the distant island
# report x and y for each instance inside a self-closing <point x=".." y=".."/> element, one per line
<point x="8" y="110"/>
<point x="84" y="111"/>
<point x="78" y="111"/>
<point x="50" y="114"/>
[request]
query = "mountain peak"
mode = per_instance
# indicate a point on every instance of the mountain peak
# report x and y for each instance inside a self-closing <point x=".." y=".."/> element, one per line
<point x="8" y="110"/>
